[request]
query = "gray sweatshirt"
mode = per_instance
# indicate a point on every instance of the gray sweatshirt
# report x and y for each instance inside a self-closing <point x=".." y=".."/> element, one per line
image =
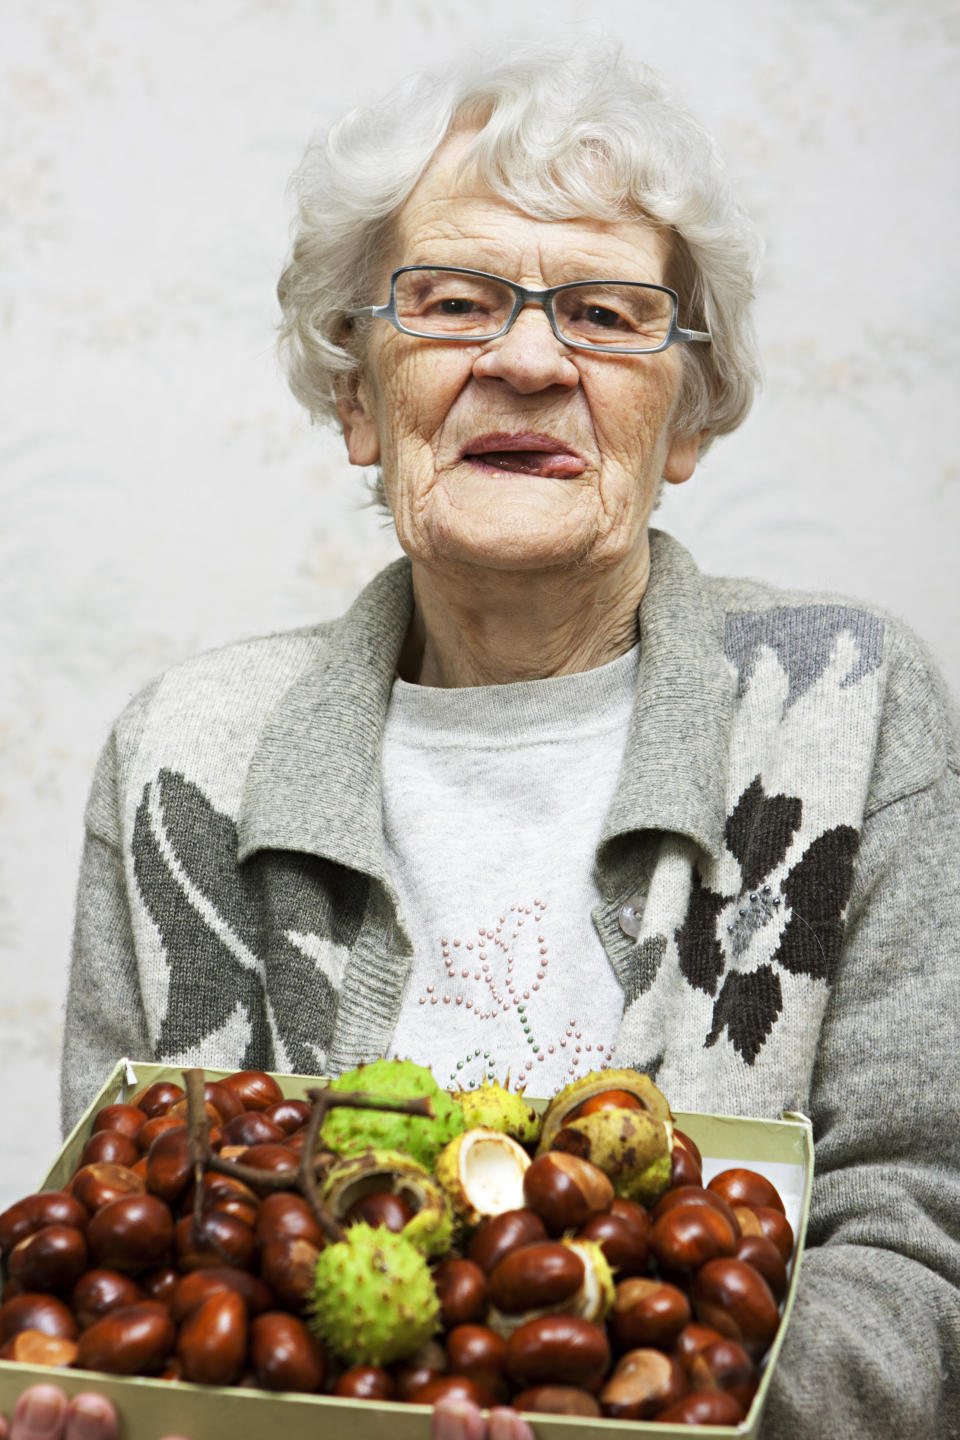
<point x="777" y="900"/>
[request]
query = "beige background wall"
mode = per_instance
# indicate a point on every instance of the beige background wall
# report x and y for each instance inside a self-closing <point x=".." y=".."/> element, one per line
<point x="160" y="491"/>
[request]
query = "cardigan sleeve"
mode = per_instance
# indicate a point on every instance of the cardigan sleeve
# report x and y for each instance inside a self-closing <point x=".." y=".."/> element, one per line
<point x="105" y="1017"/>
<point x="873" y="1346"/>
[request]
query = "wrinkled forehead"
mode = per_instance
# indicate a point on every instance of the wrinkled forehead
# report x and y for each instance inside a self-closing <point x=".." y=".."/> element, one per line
<point x="457" y="200"/>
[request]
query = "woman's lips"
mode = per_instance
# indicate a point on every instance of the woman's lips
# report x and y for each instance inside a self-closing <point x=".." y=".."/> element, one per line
<point x="524" y="453"/>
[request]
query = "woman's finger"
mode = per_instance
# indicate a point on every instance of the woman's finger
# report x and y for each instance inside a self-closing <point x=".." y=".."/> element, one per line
<point x="506" y="1424"/>
<point x="39" y="1414"/>
<point x="89" y="1417"/>
<point x="457" y="1420"/>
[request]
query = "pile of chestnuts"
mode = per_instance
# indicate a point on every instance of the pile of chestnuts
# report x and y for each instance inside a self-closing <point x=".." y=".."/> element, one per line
<point x="130" y="1270"/>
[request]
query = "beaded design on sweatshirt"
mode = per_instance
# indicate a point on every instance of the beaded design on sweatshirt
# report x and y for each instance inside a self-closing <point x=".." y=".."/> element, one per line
<point x="483" y="977"/>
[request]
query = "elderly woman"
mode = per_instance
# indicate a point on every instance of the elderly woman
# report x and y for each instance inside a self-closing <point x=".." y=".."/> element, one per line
<point x="547" y="796"/>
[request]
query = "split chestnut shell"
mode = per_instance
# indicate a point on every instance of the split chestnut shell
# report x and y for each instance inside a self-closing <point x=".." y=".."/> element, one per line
<point x="482" y="1174"/>
<point x="349" y="1180"/>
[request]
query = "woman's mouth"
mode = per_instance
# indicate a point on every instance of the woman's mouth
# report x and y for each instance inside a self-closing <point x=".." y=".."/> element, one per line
<point x="524" y="453"/>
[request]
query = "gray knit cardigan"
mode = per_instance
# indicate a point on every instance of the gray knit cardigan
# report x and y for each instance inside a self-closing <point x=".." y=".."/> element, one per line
<point x="779" y="903"/>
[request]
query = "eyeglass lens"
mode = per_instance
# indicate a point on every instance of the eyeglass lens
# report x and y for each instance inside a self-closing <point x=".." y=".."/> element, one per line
<point x="455" y="304"/>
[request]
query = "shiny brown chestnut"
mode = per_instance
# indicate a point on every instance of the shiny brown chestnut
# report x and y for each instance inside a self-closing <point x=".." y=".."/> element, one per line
<point x="157" y="1098"/>
<point x="423" y="1365"/>
<point x="288" y="1266"/>
<point x="255" y="1089"/>
<point x="283" y="1215"/>
<point x="193" y="1289"/>
<point x="453" y="1387"/>
<point x="110" y="1147"/>
<point x="693" y="1338"/>
<point x="32" y="1311"/>
<point x="746" y="1187"/>
<point x="380" y="1209"/>
<point x="692" y="1195"/>
<point x="725" y="1365"/>
<point x="736" y="1300"/>
<point x="212" y="1342"/>
<point x="684" y="1169"/>
<point x="685" y="1237"/>
<point x="169" y="1165"/>
<point x="128" y="1119"/>
<point x="96" y="1185"/>
<point x="643" y="1383"/>
<point x="252" y="1128"/>
<point x="703" y="1407"/>
<point x="225" y="1101"/>
<point x="765" y="1220"/>
<point x="625" y="1248"/>
<point x="290" y="1115"/>
<point x="647" y="1312"/>
<point x="365" y="1382"/>
<point x="181" y="1112"/>
<point x="461" y="1288"/>
<point x="534" y="1277"/>
<point x="99" y="1291"/>
<point x="681" y="1138"/>
<point x="131" y="1234"/>
<point x="763" y="1255"/>
<point x="134" y="1340"/>
<point x="219" y="1239"/>
<point x="50" y="1259"/>
<point x="556" y="1349"/>
<point x="154" y="1127"/>
<point x="496" y="1237"/>
<point x="278" y="1159"/>
<point x="36" y="1212"/>
<point x="479" y="1352"/>
<point x="160" y="1283"/>
<point x="223" y="1192"/>
<point x="565" y="1190"/>
<point x="284" y="1354"/>
<point x="606" y="1100"/>
<point x="558" y="1400"/>
<point x="638" y="1215"/>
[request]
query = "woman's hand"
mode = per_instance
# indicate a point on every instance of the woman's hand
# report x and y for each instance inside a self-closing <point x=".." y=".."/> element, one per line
<point x="462" y="1420"/>
<point x="44" y="1413"/>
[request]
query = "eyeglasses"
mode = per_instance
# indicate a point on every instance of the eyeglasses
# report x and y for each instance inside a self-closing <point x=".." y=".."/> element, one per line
<point x="618" y="317"/>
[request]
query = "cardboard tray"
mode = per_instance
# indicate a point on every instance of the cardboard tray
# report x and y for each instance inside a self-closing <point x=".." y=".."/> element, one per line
<point x="150" y="1409"/>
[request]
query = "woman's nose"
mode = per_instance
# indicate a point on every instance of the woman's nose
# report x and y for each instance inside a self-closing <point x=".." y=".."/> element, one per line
<point x="529" y="357"/>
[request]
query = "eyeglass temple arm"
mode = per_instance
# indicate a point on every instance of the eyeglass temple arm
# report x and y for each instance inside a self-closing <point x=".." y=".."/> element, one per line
<point x="370" y="312"/>
<point x="680" y="334"/>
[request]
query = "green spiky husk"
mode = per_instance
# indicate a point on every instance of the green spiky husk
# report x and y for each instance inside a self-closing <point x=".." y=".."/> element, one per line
<point x="494" y="1107"/>
<point x="374" y="1300"/>
<point x="348" y="1131"/>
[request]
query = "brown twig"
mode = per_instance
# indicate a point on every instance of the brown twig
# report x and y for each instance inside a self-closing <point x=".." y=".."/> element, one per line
<point x="304" y="1178"/>
<point x="198" y="1131"/>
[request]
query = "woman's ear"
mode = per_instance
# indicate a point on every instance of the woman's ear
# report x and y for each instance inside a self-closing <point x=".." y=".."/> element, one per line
<point x="682" y="458"/>
<point x="356" y="416"/>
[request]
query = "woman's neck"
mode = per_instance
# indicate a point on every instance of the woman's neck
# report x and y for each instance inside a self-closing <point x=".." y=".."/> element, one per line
<point x="492" y="628"/>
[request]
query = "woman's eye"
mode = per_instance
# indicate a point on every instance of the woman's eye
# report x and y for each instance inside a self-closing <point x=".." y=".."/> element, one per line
<point x="604" y="318"/>
<point x="458" y="305"/>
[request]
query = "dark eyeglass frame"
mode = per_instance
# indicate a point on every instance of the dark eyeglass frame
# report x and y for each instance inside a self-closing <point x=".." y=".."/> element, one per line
<point x="522" y="297"/>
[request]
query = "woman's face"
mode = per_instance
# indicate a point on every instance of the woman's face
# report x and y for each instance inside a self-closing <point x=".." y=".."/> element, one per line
<point x="441" y="418"/>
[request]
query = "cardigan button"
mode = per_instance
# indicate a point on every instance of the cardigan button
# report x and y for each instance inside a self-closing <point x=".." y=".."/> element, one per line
<point x="631" y="916"/>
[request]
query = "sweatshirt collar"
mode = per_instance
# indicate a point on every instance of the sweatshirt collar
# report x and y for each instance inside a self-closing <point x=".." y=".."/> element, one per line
<point x="314" y="781"/>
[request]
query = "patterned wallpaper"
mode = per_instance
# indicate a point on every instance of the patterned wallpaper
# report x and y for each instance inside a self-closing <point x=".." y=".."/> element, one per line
<point x="161" y="492"/>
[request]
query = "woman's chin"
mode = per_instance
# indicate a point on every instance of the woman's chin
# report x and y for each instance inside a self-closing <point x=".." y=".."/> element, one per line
<point x="539" y="525"/>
